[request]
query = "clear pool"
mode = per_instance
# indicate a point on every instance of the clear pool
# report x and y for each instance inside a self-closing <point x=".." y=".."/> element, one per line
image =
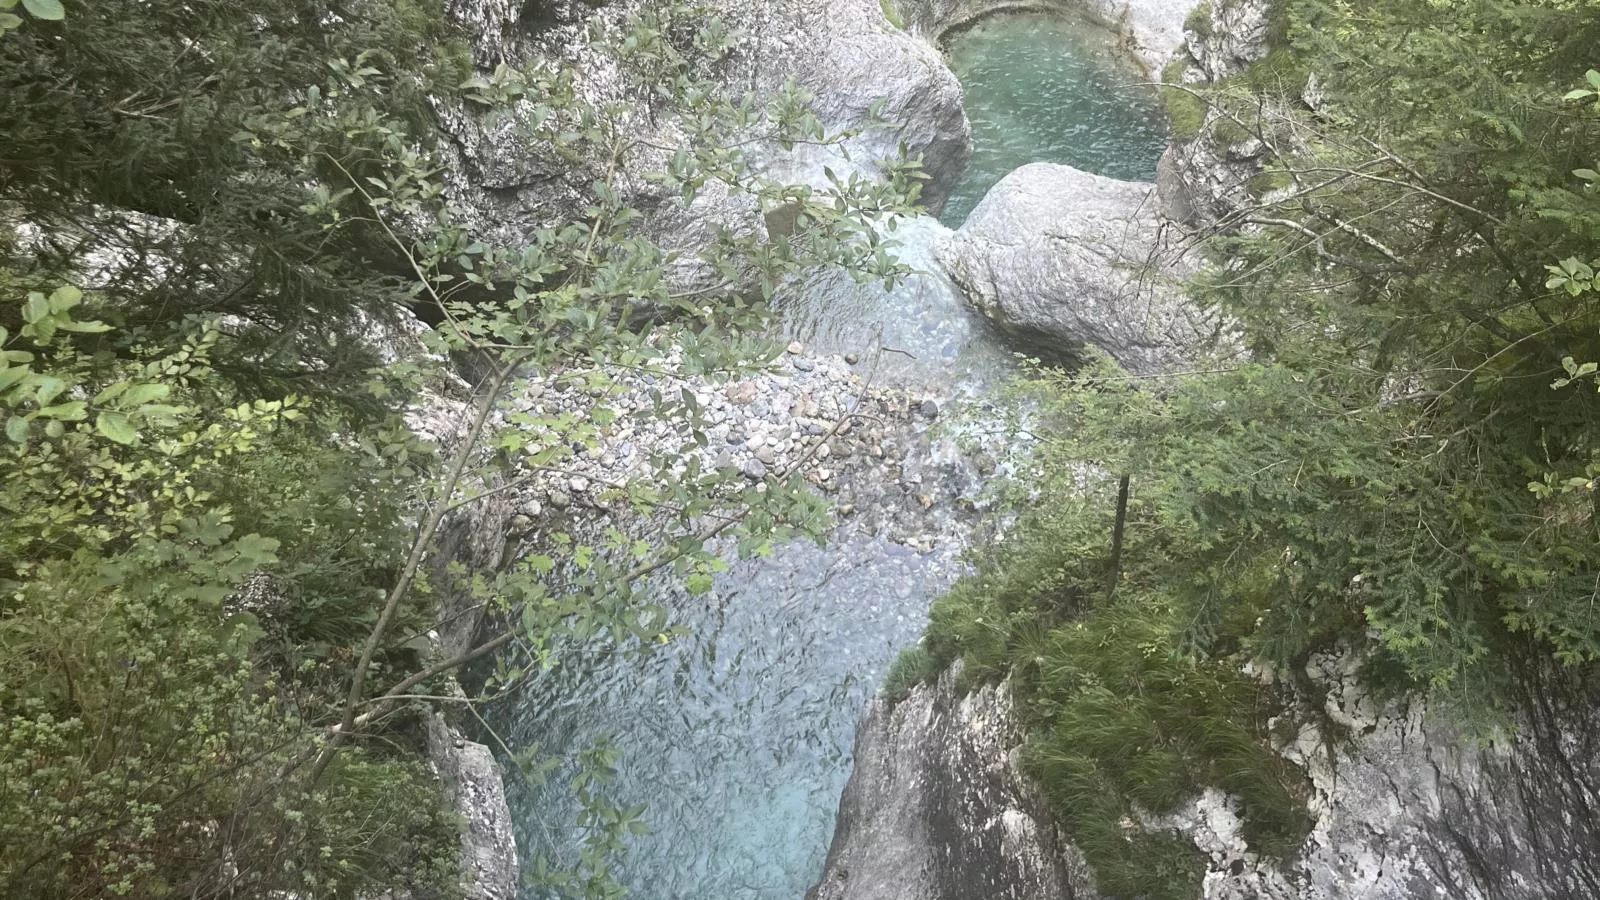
<point x="1050" y="88"/>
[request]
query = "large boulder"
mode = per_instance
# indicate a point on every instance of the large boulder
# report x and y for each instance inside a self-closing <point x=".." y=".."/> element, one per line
<point x="1062" y="259"/>
<point x="936" y="808"/>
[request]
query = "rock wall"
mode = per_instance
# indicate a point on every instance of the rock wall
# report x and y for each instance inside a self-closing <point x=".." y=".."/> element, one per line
<point x="1206" y="176"/>
<point x="473" y="788"/>
<point x="1410" y="808"/>
<point x="1405" y="807"/>
<point x="936" y="810"/>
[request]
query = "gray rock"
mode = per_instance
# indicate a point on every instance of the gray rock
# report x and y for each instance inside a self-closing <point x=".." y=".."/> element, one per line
<point x="1062" y="258"/>
<point x="753" y="469"/>
<point x="1207" y="177"/>
<point x="843" y="51"/>
<point x="936" y="809"/>
<point x="473" y="787"/>
<point x="929" y="408"/>
<point x="560" y="499"/>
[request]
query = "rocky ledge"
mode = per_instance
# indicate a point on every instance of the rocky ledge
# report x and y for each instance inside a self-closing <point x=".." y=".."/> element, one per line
<point x="936" y="809"/>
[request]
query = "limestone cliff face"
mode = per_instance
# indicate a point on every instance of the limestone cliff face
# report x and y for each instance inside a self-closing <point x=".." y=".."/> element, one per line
<point x="936" y="809"/>
<point x="1404" y="807"/>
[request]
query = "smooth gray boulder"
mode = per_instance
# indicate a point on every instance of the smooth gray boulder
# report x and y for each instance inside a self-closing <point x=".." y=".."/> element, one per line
<point x="1061" y="258"/>
<point x="936" y="809"/>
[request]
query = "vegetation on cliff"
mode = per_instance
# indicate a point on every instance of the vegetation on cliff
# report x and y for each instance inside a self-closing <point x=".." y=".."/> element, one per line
<point x="1400" y="465"/>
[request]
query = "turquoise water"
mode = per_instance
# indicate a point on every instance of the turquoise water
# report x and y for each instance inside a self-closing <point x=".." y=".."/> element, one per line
<point x="1044" y="88"/>
<point x="737" y="737"/>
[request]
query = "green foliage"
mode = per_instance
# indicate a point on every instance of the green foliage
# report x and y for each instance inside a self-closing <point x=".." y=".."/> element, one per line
<point x="1122" y="720"/>
<point x="1185" y="111"/>
<point x="1397" y="460"/>
<point x="213" y="515"/>
<point x="914" y="666"/>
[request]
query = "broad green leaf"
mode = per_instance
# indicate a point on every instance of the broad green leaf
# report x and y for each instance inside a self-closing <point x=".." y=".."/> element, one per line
<point x="73" y="411"/>
<point x="116" y="426"/>
<point x="49" y="10"/>
<point x="9" y="21"/>
<point x="36" y="308"/>
<point x="17" y="429"/>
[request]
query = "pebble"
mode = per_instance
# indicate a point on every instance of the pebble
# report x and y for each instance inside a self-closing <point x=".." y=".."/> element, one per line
<point x="796" y="348"/>
<point x="560" y="500"/>
<point x="742" y="393"/>
<point x="753" y="469"/>
<point x="929" y="409"/>
<point x="824" y="451"/>
<point x="851" y="359"/>
<point x="804" y="365"/>
<point x="766" y="455"/>
<point x="578" y="483"/>
<point x="736" y="437"/>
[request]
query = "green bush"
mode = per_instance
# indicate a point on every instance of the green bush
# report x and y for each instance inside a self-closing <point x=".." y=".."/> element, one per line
<point x="912" y="667"/>
<point x="1120" y="718"/>
<point x="1185" y="111"/>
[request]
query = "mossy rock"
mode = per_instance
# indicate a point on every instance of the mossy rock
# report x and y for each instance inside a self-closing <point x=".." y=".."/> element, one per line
<point x="1198" y="21"/>
<point x="1185" y="111"/>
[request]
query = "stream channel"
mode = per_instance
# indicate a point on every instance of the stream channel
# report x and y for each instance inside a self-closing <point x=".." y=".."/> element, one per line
<point x="738" y="736"/>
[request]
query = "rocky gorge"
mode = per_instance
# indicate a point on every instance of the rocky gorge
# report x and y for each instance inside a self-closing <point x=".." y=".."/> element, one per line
<point x="1053" y="260"/>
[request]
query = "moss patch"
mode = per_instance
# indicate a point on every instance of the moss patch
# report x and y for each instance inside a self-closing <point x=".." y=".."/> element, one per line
<point x="1185" y="111"/>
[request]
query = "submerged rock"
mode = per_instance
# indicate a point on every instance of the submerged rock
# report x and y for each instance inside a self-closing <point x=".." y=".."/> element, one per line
<point x="1062" y="258"/>
<point x="936" y="809"/>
